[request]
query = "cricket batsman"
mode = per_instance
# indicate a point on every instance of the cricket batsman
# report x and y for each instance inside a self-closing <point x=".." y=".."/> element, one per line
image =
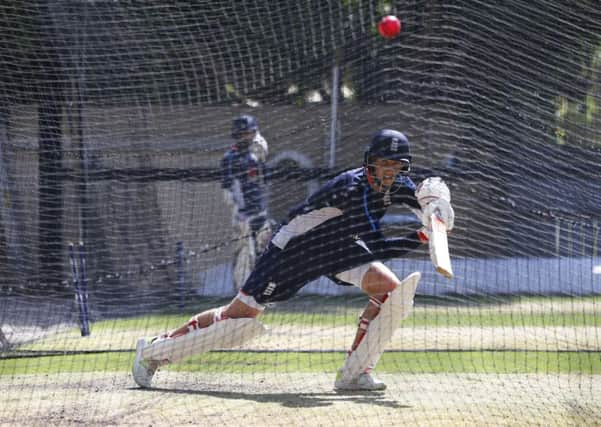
<point x="242" y="181"/>
<point x="336" y="233"/>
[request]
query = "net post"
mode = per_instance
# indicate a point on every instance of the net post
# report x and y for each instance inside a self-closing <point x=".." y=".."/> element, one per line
<point x="84" y="312"/>
<point x="80" y="287"/>
<point x="334" y="110"/>
<point x="557" y="237"/>
<point x="179" y="257"/>
<point x="595" y="237"/>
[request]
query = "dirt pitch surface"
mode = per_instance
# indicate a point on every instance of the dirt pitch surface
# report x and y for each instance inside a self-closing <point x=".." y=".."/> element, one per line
<point x="292" y="399"/>
<point x="300" y="400"/>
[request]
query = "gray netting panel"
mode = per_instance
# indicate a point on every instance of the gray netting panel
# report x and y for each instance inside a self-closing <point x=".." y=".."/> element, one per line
<point x="487" y="94"/>
<point x="115" y="115"/>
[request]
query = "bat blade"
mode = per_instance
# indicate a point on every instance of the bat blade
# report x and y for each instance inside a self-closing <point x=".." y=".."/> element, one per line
<point x="439" y="247"/>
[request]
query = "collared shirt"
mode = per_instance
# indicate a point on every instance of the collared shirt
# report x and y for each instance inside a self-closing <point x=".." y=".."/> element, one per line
<point x="345" y="207"/>
<point x="242" y="174"/>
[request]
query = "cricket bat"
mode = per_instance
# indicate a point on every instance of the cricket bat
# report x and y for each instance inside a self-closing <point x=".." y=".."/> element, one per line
<point x="439" y="247"/>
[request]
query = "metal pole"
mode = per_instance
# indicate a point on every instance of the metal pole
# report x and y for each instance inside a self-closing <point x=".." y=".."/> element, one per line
<point x="78" y="283"/>
<point x="179" y="256"/>
<point x="595" y="237"/>
<point x="83" y="286"/>
<point x="334" y="112"/>
<point x="557" y="236"/>
<point x="82" y="186"/>
<point x="8" y="212"/>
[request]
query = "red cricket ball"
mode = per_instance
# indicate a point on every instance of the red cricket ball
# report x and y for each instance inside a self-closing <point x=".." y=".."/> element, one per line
<point x="389" y="27"/>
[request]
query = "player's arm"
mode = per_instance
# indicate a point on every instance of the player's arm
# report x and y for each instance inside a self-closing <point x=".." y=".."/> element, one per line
<point x="431" y="196"/>
<point x="227" y="178"/>
<point x="227" y="171"/>
<point x="260" y="148"/>
<point x="253" y="190"/>
<point x="328" y="202"/>
<point x="397" y="247"/>
<point x="405" y="195"/>
<point x="302" y="223"/>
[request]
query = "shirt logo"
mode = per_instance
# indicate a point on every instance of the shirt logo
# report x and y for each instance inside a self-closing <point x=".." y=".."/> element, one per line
<point x="363" y="245"/>
<point x="387" y="199"/>
<point x="394" y="145"/>
<point x="270" y="288"/>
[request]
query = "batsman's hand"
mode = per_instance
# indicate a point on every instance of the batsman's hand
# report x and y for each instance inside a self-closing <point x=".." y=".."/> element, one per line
<point x="443" y="209"/>
<point x="434" y="196"/>
<point x="431" y="189"/>
<point x="259" y="148"/>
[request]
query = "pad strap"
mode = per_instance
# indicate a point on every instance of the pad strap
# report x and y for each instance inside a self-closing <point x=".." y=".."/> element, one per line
<point x="218" y="315"/>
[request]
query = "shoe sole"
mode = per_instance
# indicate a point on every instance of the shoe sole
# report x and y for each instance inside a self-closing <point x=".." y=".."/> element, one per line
<point x="139" y="347"/>
<point x="357" y="388"/>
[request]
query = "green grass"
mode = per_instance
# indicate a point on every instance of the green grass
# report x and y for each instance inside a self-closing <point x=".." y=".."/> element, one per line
<point x="334" y="312"/>
<point x="420" y="318"/>
<point x="402" y="362"/>
<point x="489" y="318"/>
<point x="480" y="362"/>
<point x="430" y="312"/>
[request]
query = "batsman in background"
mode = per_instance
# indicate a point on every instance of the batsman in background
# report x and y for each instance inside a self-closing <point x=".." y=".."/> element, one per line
<point x="335" y="233"/>
<point x="242" y="180"/>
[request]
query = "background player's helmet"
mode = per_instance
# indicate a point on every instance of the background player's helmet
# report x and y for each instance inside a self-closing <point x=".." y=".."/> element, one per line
<point x="244" y="123"/>
<point x="388" y="144"/>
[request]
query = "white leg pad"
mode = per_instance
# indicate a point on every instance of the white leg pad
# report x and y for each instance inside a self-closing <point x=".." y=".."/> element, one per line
<point x="227" y="333"/>
<point x="380" y="330"/>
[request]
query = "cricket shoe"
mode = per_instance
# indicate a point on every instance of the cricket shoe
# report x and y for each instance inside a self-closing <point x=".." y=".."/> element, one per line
<point x="364" y="382"/>
<point x="143" y="370"/>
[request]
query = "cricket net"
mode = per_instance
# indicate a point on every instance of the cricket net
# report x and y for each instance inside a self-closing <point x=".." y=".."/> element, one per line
<point x="115" y="115"/>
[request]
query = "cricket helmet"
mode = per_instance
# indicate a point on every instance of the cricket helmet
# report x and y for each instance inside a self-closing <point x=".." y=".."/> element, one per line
<point x="391" y="145"/>
<point x="388" y="144"/>
<point x="244" y="123"/>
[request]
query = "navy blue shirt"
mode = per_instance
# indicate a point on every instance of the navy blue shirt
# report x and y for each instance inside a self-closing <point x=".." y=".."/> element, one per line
<point x="337" y="228"/>
<point x="242" y="174"/>
<point x="345" y="207"/>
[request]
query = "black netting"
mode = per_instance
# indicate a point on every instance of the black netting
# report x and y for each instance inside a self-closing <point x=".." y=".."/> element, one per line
<point x="115" y="115"/>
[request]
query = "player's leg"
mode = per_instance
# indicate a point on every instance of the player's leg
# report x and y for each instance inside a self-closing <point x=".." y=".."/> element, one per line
<point x="377" y="282"/>
<point x="391" y="300"/>
<point x="4" y="344"/>
<point x="255" y="233"/>
<point x="223" y="327"/>
<point x="240" y="307"/>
